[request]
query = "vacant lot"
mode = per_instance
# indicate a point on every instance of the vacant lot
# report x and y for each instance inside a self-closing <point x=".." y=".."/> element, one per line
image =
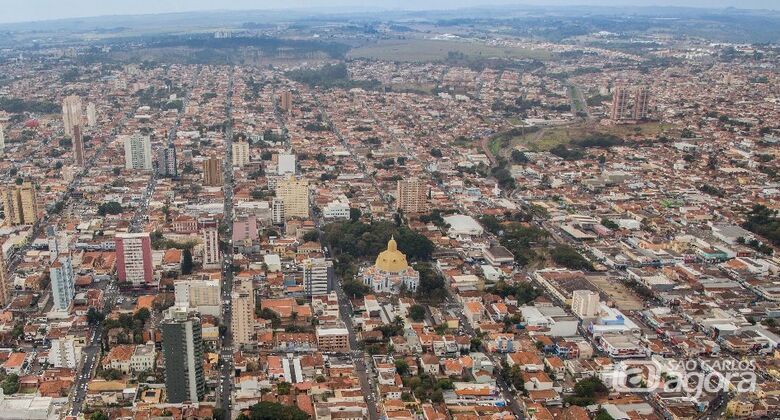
<point x="624" y="298"/>
<point x="546" y="138"/>
<point x="422" y="50"/>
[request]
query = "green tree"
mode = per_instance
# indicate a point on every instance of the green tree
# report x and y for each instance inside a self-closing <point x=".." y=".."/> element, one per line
<point x="99" y="415"/>
<point x="186" y="261"/>
<point x="94" y="316"/>
<point x="417" y="312"/>
<point x="354" y="214"/>
<point x="111" y="207"/>
<point x="274" y="411"/>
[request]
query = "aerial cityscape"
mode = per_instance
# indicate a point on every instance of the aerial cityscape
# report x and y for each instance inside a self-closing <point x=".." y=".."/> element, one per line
<point x="478" y="213"/>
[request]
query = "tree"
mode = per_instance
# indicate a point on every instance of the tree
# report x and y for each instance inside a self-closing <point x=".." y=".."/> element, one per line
<point x="417" y="312"/>
<point x="274" y="411"/>
<point x="570" y="258"/>
<point x="354" y="214"/>
<point x="142" y="315"/>
<point x="432" y="286"/>
<point x="401" y="367"/>
<point x="99" y="415"/>
<point x="586" y="390"/>
<point x="10" y="384"/>
<point x="186" y="261"/>
<point x="311" y="236"/>
<point x="283" y="388"/>
<point x="609" y="224"/>
<point x="436" y="152"/>
<point x="94" y="317"/>
<point x="355" y="289"/>
<point x="111" y="207"/>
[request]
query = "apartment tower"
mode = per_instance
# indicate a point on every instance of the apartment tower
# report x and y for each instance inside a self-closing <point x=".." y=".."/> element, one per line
<point x="183" y="352"/>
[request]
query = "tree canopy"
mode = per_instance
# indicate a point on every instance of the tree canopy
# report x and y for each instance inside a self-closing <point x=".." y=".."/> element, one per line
<point x="274" y="411"/>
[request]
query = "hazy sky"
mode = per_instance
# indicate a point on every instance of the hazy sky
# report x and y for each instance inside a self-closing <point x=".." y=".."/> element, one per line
<point x="33" y="10"/>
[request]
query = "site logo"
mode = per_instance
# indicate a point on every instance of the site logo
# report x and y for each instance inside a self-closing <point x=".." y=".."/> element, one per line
<point x="692" y="377"/>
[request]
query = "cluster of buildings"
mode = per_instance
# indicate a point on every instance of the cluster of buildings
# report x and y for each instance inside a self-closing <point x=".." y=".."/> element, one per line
<point x="162" y="240"/>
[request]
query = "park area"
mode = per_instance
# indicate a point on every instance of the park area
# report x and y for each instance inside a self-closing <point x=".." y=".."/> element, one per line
<point x="424" y="50"/>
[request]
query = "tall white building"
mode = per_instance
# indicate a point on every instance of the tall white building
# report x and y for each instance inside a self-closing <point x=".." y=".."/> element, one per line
<point x="63" y="286"/>
<point x="243" y="321"/>
<point x="585" y="304"/>
<point x="138" y="152"/>
<point x="91" y="114"/>
<point x="71" y="113"/>
<point x="240" y="153"/>
<point x="2" y="140"/>
<point x="317" y="276"/>
<point x="210" y="247"/>
<point x="286" y="164"/>
<point x="336" y="209"/>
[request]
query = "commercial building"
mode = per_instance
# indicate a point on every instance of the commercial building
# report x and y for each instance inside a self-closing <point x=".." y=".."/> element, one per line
<point x="295" y="195"/>
<point x="411" y="196"/>
<point x="20" y="204"/>
<point x="317" y="276"/>
<point x="333" y="340"/>
<point x="585" y="303"/>
<point x="210" y="238"/>
<point x="65" y="352"/>
<point x="134" y="258"/>
<point x="183" y="352"/>
<point x="71" y="113"/>
<point x="240" y="153"/>
<point x="138" y="152"/>
<point x="337" y="210"/>
<point x="277" y="211"/>
<point x="212" y="172"/>
<point x="201" y="295"/>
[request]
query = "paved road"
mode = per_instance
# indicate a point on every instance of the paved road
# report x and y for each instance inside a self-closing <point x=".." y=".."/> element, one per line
<point x="362" y="367"/>
<point x="227" y="372"/>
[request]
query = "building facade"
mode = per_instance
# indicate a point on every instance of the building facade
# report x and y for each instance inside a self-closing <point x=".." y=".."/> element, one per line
<point x="210" y="238"/>
<point x="294" y="193"/>
<point x="411" y="196"/>
<point x="317" y="276"/>
<point x="63" y="284"/>
<point x="212" y="172"/>
<point x="138" y="152"/>
<point x="183" y="352"/>
<point x="20" y="204"/>
<point x="240" y="153"/>
<point x="134" y="258"/>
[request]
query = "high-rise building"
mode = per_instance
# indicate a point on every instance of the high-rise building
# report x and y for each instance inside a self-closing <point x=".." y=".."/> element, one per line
<point x="277" y="211"/>
<point x="240" y="153"/>
<point x="585" y="304"/>
<point x="619" y="103"/>
<point x="138" y="152"/>
<point x="295" y="195"/>
<point x="71" y="113"/>
<point x="63" y="287"/>
<point x="285" y="101"/>
<point x="243" y="320"/>
<point x="411" y="196"/>
<point x="134" y="258"/>
<point x="20" y="204"/>
<point x="641" y="103"/>
<point x="2" y="140"/>
<point x="78" y="146"/>
<point x="212" y="172"/>
<point x="91" y="114"/>
<point x="285" y="164"/>
<point x="5" y="286"/>
<point x="332" y="339"/>
<point x="317" y="276"/>
<point x="183" y="352"/>
<point x="166" y="162"/>
<point x="210" y="247"/>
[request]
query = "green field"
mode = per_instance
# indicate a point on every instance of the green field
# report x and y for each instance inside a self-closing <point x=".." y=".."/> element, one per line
<point x="547" y="138"/>
<point x="423" y="50"/>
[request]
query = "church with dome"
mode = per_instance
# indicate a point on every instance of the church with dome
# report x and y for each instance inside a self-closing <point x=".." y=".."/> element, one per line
<point x="391" y="271"/>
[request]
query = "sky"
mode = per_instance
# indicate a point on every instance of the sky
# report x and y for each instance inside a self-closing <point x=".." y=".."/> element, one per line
<point x="35" y="10"/>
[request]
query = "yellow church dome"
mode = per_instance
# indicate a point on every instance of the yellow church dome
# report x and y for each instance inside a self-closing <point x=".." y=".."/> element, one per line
<point x="391" y="260"/>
